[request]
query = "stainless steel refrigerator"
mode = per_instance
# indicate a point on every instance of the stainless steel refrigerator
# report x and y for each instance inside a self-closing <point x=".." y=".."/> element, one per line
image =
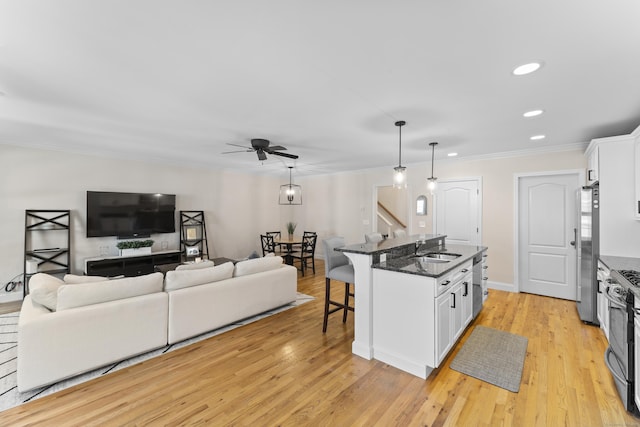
<point x="588" y="247"/>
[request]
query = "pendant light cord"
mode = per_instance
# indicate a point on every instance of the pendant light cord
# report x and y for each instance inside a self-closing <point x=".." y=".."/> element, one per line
<point x="400" y="147"/>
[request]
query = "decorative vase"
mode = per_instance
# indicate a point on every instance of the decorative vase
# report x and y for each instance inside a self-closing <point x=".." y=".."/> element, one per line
<point x="135" y="251"/>
<point x="290" y="236"/>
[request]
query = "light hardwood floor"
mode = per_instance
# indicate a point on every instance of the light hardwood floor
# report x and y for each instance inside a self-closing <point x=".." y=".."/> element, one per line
<point x="283" y="371"/>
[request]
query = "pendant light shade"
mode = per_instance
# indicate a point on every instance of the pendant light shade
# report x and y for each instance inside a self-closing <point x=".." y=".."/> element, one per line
<point x="432" y="182"/>
<point x="400" y="172"/>
<point x="290" y="194"/>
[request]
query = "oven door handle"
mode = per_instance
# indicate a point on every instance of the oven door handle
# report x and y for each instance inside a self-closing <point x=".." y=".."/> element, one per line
<point x="607" y="353"/>
<point x="614" y="302"/>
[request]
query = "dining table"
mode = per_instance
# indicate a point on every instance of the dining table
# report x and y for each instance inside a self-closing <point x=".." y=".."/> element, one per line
<point x="288" y="241"/>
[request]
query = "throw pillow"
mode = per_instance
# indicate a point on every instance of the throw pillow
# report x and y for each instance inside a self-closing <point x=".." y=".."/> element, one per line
<point x="43" y="289"/>
<point x="73" y="279"/>
<point x="196" y="265"/>
<point x="71" y="296"/>
<point x="252" y="266"/>
<point x="185" y="278"/>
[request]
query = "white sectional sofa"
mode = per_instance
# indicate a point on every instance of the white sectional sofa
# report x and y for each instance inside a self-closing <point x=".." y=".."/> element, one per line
<point x="67" y="328"/>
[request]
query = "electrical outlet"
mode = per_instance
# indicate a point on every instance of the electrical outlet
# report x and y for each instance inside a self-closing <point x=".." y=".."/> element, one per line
<point x="422" y="224"/>
<point x="383" y="257"/>
<point x="365" y="222"/>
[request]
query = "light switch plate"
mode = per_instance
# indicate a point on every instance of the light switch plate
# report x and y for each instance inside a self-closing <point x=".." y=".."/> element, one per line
<point x="422" y="224"/>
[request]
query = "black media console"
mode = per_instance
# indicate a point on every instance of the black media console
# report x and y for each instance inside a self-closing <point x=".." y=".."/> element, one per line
<point x="130" y="266"/>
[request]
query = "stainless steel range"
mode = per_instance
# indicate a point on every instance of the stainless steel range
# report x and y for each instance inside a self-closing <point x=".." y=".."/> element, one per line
<point x="619" y="357"/>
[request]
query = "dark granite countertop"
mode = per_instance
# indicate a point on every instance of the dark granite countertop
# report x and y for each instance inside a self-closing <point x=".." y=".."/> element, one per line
<point x="623" y="263"/>
<point x="388" y="244"/>
<point x="411" y="265"/>
<point x="620" y="263"/>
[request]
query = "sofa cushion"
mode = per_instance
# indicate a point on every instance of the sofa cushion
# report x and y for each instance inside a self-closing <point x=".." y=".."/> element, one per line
<point x="185" y="278"/>
<point x="73" y="279"/>
<point x="253" y="266"/>
<point x="71" y="296"/>
<point x="43" y="289"/>
<point x="195" y="265"/>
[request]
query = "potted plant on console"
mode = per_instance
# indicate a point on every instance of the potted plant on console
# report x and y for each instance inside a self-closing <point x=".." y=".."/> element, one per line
<point x="135" y="247"/>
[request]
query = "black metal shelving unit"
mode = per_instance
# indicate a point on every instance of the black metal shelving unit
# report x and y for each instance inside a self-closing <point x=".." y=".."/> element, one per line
<point x="193" y="232"/>
<point x="47" y="239"/>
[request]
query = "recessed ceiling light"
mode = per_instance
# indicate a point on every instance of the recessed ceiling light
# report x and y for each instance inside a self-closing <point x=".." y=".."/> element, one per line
<point x="526" y="68"/>
<point x="537" y="137"/>
<point x="533" y="113"/>
<point x="452" y="154"/>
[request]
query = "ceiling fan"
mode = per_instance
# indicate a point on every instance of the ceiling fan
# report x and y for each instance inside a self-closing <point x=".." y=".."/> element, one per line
<point x="262" y="148"/>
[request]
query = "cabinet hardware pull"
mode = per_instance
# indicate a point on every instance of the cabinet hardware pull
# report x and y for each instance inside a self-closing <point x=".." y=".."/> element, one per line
<point x="464" y="270"/>
<point x="485" y="267"/>
<point x="446" y="282"/>
<point x="485" y="278"/>
<point x="454" y="300"/>
<point x="466" y="289"/>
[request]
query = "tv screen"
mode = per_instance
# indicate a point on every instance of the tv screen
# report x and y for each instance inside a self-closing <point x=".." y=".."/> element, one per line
<point x="129" y="214"/>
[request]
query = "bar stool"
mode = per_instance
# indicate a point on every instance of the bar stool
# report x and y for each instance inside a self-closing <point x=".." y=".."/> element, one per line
<point x="336" y="267"/>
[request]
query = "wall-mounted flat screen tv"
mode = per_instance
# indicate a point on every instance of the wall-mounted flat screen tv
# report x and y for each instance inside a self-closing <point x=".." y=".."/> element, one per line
<point x="128" y="215"/>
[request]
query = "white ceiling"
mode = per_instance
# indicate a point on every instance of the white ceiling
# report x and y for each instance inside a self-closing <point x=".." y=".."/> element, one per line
<point x="176" y="80"/>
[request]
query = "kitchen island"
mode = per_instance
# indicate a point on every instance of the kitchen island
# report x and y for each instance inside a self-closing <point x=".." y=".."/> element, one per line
<point x="413" y="299"/>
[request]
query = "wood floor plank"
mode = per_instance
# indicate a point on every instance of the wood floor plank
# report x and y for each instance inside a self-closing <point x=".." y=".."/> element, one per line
<point x="283" y="370"/>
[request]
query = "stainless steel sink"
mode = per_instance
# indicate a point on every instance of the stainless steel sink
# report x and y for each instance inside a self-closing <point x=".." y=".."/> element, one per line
<point x="423" y="258"/>
<point x="441" y="256"/>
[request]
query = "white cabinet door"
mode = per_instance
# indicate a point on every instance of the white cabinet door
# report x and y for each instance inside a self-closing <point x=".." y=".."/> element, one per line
<point x="457" y="311"/>
<point x="593" y="162"/>
<point x="636" y="204"/>
<point x="467" y="300"/>
<point x="604" y="324"/>
<point x="637" y="361"/>
<point x="443" y="332"/>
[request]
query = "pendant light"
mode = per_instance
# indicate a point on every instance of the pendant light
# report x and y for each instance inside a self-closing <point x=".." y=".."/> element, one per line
<point x="432" y="181"/>
<point x="290" y="194"/>
<point x="400" y="172"/>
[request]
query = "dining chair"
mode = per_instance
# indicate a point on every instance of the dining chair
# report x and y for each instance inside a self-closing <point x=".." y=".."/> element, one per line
<point x="268" y="244"/>
<point x="276" y="235"/>
<point x="307" y="251"/>
<point x="399" y="233"/>
<point x="373" y="237"/>
<point x="336" y="267"/>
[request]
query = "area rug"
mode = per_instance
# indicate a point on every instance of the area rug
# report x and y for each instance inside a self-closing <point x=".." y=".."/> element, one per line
<point x="493" y="356"/>
<point x="10" y="397"/>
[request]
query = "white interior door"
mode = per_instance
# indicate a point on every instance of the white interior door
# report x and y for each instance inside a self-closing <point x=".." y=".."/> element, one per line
<point x="546" y="226"/>
<point x="458" y="211"/>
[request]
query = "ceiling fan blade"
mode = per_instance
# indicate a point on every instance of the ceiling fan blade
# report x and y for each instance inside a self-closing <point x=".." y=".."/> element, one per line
<point x="261" y="155"/>
<point x="236" y="151"/>
<point x="277" y="148"/>
<point x="241" y="146"/>
<point x="287" y="155"/>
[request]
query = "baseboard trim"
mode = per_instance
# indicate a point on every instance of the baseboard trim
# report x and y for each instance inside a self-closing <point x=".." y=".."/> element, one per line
<point x="499" y="286"/>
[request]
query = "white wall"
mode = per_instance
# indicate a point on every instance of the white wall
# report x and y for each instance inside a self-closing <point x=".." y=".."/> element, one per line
<point x="241" y="206"/>
<point x="342" y="203"/>
<point x="238" y="207"/>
